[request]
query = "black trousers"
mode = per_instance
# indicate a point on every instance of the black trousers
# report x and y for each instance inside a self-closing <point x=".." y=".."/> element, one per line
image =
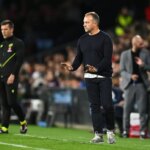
<point x="8" y="101"/>
<point x="100" y="96"/>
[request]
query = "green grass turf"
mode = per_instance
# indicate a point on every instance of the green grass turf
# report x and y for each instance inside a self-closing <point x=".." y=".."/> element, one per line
<point x="39" y="138"/>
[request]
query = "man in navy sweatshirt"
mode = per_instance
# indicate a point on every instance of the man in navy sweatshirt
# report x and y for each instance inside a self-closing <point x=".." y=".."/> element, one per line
<point x="94" y="50"/>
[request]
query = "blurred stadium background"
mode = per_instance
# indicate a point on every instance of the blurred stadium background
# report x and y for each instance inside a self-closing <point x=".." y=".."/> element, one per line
<point x="50" y="29"/>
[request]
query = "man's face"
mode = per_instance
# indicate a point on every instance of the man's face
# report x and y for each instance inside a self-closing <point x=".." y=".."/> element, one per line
<point x="139" y="43"/>
<point x="7" y="31"/>
<point x="88" y="23"/>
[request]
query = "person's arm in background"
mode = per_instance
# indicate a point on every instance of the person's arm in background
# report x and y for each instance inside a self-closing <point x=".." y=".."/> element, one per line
<point x="140" y="62"/>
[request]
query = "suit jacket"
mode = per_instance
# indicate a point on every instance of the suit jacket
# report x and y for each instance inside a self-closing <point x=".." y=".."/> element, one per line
<point x="126" y="67"/>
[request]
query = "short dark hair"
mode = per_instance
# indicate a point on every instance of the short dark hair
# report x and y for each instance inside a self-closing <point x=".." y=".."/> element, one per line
<point x="9" y="22"/>
<point x="94" y="15"/>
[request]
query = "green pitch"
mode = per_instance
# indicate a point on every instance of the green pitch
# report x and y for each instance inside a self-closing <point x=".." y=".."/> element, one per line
<point x="39" y="138"/>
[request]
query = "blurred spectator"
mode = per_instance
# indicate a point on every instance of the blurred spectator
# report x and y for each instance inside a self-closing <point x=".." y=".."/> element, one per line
<point x="147" y="13"/>
<point x="24" y="87"/>
<point x="116" y="68"/>
<point x="124" y="19"/>
<point x="133" y="83"/>
<point x="50" y="79"/>
<point x="118" y="101"/>
<point x="37" y="79"/>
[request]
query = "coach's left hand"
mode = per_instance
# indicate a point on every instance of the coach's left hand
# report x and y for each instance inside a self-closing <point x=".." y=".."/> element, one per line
<point x="90" y="68"/>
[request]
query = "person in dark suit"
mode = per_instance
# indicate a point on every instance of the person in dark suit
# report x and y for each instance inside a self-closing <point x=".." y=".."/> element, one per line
<point x="134" y="83"/>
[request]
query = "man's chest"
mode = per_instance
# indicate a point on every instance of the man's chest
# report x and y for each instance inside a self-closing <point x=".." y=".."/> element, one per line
<point x="91" y="46"/>
<point x="7" y="49"/>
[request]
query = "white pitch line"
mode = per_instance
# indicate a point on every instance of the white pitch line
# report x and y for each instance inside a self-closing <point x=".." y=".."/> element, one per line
<point x="34" y="136"/>
<point x="42" y="137"/>
<point x="22" y="146"/>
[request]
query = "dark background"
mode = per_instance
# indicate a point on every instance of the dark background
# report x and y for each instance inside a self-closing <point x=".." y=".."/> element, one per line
<point x="45" y="24"/>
